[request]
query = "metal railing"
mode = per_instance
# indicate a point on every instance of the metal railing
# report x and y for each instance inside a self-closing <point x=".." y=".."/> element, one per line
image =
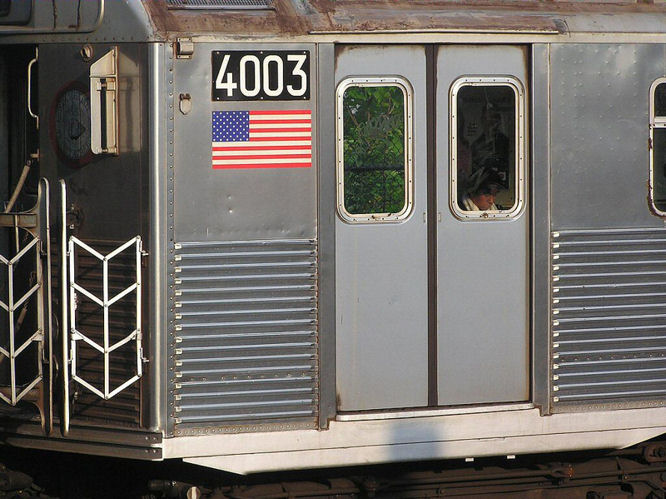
<point x="106" y="348"/>
<point x="33" y="225"/>
<point x="13" y="306"/>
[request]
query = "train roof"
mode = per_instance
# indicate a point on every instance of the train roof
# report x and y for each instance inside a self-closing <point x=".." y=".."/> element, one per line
<point x="308" y="17"/>
<point x="336" y="20"/>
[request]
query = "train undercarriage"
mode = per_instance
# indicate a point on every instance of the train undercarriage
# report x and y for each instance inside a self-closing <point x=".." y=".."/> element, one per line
<point x="636" y="472"/>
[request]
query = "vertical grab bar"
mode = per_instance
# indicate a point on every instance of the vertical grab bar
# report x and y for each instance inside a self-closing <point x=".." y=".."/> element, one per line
<point x="49" y="293"/>
<point x="64" y="286"/>
<point x="30" y="64"/>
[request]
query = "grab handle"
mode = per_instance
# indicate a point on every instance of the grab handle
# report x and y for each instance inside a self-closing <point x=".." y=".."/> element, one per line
<point x="64" y="323"/>
<point x="30" y="64"/>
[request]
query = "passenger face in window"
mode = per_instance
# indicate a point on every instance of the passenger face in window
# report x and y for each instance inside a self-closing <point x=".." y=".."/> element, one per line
<point x="483" y="187"/>
<point x="485" y="200"/>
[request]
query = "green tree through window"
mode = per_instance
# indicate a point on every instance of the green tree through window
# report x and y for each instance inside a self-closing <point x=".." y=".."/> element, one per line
<point x="374" y="149"/>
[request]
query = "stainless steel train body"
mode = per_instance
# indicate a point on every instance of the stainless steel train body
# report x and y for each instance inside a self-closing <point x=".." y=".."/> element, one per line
<point x="169" y="293"/>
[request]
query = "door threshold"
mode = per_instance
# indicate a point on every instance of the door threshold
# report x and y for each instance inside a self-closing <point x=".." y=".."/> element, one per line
<point x="425" y="413"/>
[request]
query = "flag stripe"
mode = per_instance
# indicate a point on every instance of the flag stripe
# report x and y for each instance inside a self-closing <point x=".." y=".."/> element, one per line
<point x="279" y="117"/>
<point x="305" y="147"/>
<point x="280" y="130"/>
<point x="284" y="112"/>
<point x="280" y="127"/>
<point x="279" y="122"/>
<point x="262" y="156"/>
<point x="290" y="138"/>
<point x="261" y="161"/>
<point x="254" y="165"/>
<point x="283" y="136"/>
<point x="279" y="144"/>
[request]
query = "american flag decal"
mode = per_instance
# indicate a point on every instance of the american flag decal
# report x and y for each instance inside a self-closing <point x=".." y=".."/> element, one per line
<point x="262" y="139"/>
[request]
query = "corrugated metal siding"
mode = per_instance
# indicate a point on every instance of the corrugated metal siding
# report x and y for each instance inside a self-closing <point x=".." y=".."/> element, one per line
<point x="246" y="324"/>
<point x="609" y="316"/>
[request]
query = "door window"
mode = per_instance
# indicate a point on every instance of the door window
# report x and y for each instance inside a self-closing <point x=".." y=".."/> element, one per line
<point x="487" y="148"/>
<point x="658" y="146"/>
<point x="374" y="149"/>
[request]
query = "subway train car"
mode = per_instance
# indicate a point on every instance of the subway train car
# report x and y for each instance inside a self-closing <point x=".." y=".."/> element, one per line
<point x="263" y="235"/>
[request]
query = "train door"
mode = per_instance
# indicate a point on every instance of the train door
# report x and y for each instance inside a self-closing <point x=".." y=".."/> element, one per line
<point x="381" y="233"/>
<point x="389" y="354"/>
<point x="482" y="229"/>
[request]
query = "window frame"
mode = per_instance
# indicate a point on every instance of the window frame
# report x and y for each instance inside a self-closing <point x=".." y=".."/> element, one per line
<point x="520" y="149"/>
<point x="408" y="117"/>
<point x="655" y="122"/>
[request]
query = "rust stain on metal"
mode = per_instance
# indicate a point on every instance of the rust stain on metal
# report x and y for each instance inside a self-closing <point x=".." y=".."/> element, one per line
<point x="284" y="19"/>
<point x="343" y="16"/>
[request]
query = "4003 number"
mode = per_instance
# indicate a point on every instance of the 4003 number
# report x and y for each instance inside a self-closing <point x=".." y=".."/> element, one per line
<point x="260" y="75"/>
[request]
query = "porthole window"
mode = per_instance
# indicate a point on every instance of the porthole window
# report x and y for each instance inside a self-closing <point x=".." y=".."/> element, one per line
<point x="487" y="144"/>
<point x="658" y="147"/>
<point x="374" y="149"/>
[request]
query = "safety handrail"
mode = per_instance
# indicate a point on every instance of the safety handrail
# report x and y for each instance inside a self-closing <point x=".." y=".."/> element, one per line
<point x="106" y="348"/>
<point x="64" y="333"/>
<point x="30" y="64"/>
<point x="35" y="223"/>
